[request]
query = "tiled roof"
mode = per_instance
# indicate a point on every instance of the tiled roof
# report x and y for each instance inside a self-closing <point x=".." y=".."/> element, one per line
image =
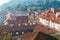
<point x="37" y="36"/>
<point x="19" y="28"/>
<point x="29" y="36"/>
<point x="12" y="21"/>
<point x="38" y="27"/>
<point x="57" y="10"/>
<point x="22" y="19"/>
<point x="50" y="17"/>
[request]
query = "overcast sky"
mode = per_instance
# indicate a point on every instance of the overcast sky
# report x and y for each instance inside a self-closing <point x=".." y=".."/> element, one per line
<point x="3" y="2"/>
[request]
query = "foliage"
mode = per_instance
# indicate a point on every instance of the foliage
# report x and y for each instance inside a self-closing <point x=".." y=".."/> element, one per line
<point x="57" y="36"/>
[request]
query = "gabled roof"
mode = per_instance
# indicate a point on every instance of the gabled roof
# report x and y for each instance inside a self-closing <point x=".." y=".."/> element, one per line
<point x="49" y="16"/>
<point x="37" y="36"/>
<point x="45" y="29"/>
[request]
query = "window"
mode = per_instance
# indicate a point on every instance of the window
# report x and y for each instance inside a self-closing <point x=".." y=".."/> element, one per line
<point x="11" y="25"/>
<point x="30" y="23"/>
<point x="10" y="33"/>
<point x="17" y="33"/>
<point x="19" y="24"/>
<point x="34" y="23"/>
<point x="25" y="24"/>
<point x="23" y="32"/>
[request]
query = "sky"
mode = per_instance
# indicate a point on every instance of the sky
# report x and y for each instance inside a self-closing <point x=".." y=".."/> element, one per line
<point x="21" y="1"/>
<point x="3" y="2"/>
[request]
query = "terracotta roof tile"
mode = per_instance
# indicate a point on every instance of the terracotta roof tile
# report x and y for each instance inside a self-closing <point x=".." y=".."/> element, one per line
<point x="29" y="36"/>
<point x="45" y="29"/>
<point x="37" y="36"/>
<point x="50" y="17"/>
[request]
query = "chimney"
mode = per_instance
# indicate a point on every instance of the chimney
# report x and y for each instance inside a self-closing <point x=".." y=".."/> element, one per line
<point x="57" y="14"/>
<point x="52" y="10"/>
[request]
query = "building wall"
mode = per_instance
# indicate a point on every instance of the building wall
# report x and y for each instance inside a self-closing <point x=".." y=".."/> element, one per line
<point x="49" y="23"/>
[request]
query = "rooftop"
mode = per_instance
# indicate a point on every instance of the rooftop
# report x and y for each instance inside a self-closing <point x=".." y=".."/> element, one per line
<point x="37" y="36"/>
<point x="50" y="16"/>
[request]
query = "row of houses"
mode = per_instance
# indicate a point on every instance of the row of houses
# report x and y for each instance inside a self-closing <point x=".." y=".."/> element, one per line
<point x="46" y="22"/>
<point x="51" y="18"/>
<point x="19" y="25"/>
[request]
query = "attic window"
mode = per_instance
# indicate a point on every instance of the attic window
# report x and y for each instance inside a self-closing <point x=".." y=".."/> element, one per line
<point x="34" y="23"/>
<point x="25" y="24"/>
<point x="11" y="33"/>
<point x="11" y="25"/>
<point x="23" y="32"/>
<point x="30" y="23"/>
<point x="17" y="33"/>
<point x="19" y="24"/>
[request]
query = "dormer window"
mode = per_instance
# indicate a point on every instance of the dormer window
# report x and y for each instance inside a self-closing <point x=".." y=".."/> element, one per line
<point x="19" y="24"/>
<point x="11" y="33"/>
<point x="34" y="23"/>
<point x="31" y="24"/>
<point x="17" y="33"/>
<point x="11" y="25"/>
<point x="25" y="24"/>
<point x="23" y="32"/>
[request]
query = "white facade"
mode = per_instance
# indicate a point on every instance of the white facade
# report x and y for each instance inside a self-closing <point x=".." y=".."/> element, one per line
<point x="57" y="14"/>
<point x="49" y="23"/>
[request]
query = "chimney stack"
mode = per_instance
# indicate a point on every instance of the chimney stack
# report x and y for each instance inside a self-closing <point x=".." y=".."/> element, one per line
<point x="52" y="10"/>
<point x="57" y="14"/>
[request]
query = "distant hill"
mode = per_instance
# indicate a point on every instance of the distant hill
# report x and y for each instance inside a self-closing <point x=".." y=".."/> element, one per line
<point x="24" y="4"/>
